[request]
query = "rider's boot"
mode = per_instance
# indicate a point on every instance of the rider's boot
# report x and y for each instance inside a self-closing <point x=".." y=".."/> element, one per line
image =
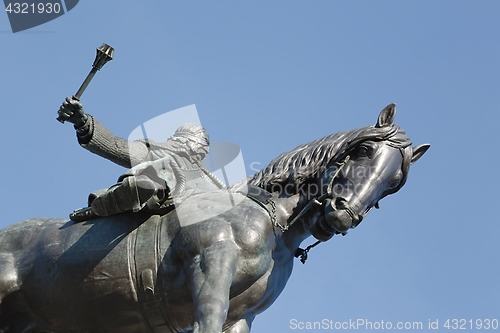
<point x="82" y="214"/>
<point x="132" y="194"/>
<point x="129" y="195"/>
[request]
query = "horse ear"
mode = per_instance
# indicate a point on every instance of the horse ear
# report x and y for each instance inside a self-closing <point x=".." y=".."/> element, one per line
<point x="387" y="116"/>
<point x="418" y="151"/>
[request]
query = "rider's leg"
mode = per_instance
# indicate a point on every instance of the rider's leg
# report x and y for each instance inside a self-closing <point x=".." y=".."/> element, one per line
<point x="131" y="194"/>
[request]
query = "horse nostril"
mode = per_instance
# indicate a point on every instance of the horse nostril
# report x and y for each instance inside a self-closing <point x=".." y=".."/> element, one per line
<point x="339" y="203"/>
<point x="339" y="220"/>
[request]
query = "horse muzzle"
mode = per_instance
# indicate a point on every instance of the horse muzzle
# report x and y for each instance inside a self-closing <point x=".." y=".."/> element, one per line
<point x="340" y="216"/>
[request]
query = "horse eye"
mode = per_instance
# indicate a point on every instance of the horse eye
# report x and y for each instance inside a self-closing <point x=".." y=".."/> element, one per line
<point x="394" y="183"/>
<point x="364" y="151"/>
<point x="396" y="180"/>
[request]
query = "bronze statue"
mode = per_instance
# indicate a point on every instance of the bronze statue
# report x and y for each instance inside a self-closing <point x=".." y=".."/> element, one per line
<point x="145" y="272"/>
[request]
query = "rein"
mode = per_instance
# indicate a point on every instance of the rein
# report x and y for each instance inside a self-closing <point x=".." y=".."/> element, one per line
<point x="328" y="194"/>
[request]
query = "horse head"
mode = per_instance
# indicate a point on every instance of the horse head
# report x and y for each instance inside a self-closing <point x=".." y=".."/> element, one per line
<point x="373" y="163"/>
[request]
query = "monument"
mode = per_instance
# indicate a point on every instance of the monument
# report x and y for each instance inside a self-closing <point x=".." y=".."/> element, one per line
<point x="141" y="269"/>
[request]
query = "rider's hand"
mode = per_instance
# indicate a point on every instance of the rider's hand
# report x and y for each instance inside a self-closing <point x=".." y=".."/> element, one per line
<point x="72" y="111"/>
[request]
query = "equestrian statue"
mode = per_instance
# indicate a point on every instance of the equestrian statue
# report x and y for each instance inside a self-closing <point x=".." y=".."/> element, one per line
<point x="164" y="251"/>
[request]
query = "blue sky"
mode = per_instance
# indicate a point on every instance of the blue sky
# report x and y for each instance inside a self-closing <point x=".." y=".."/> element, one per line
<point x="269" y="76"/>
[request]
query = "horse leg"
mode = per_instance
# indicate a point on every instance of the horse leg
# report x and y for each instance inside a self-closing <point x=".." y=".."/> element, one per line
<point x="15" y="313"/>
<point x="241" y="326"/>
<point x="17" y="317"/>
<point x="9" y="285"/>
<point x="211" y="274"/>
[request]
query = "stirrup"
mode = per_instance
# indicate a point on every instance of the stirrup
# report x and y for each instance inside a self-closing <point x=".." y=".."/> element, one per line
<point x="82" y="214"/>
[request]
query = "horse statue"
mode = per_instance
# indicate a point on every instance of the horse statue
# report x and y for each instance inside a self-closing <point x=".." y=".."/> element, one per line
<point x="206" y="266"/>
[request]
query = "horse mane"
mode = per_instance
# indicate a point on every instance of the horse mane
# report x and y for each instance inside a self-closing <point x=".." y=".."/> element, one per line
<point x="307" y="160"/>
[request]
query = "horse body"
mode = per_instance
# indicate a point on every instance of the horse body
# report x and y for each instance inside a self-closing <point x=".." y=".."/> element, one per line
<point x="67" y="277"/>
<point x="61" y="272"/>
<point x="212" y="264"/>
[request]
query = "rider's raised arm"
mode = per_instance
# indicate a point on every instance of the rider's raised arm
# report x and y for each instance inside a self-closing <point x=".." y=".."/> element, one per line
<point x="99" y="140"/>
<point x="96" y="138"/>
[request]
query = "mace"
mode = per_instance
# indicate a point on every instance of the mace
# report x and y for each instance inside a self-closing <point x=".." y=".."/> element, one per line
<point x="104" y="54"/>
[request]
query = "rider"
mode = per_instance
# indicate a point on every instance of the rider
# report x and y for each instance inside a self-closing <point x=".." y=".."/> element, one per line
<point x="159" y="174"/>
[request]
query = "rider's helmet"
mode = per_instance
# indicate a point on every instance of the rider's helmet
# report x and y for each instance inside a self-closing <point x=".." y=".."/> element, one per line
<point x="193" y="132"/>
<point x="195" y="137"/>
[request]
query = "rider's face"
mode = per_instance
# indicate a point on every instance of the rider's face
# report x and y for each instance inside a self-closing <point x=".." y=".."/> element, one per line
<point x="203" y="150"/>
<point x="198" y="149"/>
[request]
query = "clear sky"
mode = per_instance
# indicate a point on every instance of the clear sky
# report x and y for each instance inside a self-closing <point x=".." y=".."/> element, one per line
<point x="268" y="76"/>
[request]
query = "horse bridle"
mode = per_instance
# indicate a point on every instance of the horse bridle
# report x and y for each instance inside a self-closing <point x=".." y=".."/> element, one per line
<point x="302" y="253"/>
<point x="327" y="195"/>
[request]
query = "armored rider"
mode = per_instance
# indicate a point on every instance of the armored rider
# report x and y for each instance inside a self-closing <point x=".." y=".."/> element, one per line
<point x="160" y="173"/>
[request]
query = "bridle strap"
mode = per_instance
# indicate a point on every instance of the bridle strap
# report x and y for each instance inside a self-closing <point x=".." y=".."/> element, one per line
<point x="302" y="253"/>
<point x="318" y="201"/>
<point x="339" y="168"/>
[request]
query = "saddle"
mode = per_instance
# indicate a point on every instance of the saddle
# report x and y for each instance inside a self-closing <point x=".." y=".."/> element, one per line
<point x="155" y="207"/>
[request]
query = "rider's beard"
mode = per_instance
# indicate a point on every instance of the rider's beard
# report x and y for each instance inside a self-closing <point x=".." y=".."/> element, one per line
<point x="196" y="152"/>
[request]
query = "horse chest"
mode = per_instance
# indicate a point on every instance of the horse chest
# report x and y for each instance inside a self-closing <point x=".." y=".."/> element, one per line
<point x="263" y="291"/>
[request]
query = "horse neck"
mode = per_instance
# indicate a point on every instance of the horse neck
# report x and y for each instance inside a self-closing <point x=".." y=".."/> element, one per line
<point x="287" y="208"/>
